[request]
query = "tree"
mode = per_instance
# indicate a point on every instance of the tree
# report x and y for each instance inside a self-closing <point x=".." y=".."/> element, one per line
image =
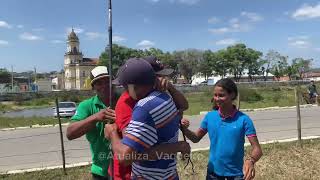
<point x="300" y="66"/>
<point x="253" y="62"/>
<point x="188" y="62"/>
<point x="242" y="58"/>
<point x="206" y="65"/>
<point x="280" y="68"/>
<point x="4" y="75"/>
<point x="220" y="63"/>
<point x="271" y="59"/>
<point x="119" y="55"/>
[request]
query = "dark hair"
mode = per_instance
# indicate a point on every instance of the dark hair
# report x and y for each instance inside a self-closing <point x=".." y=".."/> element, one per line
<point x="228" y="85"/>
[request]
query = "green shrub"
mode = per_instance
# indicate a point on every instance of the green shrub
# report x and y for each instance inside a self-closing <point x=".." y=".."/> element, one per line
<point x="249" y="95"/>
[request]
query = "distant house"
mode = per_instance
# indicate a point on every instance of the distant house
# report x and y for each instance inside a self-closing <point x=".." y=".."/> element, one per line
<point x="44" y="85"/>
<point x="199" y="79"/>
<point x="315" y="76"/>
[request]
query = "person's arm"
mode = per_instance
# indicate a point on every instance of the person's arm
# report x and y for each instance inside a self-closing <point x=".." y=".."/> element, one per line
<point x="125" y="154"/>
<point x="180" y="101"/>
<point x="256" y="152"/>
<point x="178" y="98"/>
<point x="78" y="128"/>
<point x="196" y="136"/>
<point x="255" y="155"/>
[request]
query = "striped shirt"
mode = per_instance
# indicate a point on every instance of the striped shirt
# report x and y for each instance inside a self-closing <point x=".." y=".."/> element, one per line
<point x="155" y="121"/>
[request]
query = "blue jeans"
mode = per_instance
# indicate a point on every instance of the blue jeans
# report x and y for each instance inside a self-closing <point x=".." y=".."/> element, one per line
<point x="214" y="176"/>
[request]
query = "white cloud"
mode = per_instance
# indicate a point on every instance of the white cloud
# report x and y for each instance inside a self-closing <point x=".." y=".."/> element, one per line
<point x="75" y="29"/>
<point x="4" y="24"/>
<point x="3" y="43"/>
<point x="317" y="49"/>
<point x="188" y="2"/>
<point x="30" y="37"/>
<point x="236" y="27"/>
<point x="213" y="20"/>
<point x="299" y="44"/>
<point x="307" y="12"/>
<point x="298" y="38"/>
<point x="299" y="41"/>
<point x="57" y="41"/>
<point x="254" y="17"/>
<point x="154" y="1"/>
<point x="145" y="44"/>
<point x="20" y="26"/>
<point x="220" y="30"/>
<point x="95" y="35"/>
<point x="234" y="20"/>
<point x="118" y="39"/>
<point x="239" y="24"/>
<point x="38" y="29"/>
<point x="228" y="41"/>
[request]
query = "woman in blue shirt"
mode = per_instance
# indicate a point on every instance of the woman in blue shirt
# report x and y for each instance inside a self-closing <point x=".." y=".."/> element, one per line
<point x="227" y="128"/>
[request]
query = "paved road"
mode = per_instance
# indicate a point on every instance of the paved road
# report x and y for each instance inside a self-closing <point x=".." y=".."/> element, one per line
<point x="40" y="147"/>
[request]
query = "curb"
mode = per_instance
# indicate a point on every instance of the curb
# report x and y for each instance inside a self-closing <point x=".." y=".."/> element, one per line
<point x="34" y="126"/>
<point x="193" y="150"/>
<point x="47" y="168"/>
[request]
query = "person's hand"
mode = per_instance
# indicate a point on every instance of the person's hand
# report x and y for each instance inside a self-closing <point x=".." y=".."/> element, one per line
<point x="162" y="84"/>
<point x="185" y="123"/>
<point x="185" y="149"/>
<point x="248" y="170"/>
<point x="107" y="116"/>
<point x="109" y="129"/>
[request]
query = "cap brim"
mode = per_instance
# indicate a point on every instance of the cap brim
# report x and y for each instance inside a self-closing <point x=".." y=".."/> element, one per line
<point x="99" y="77"/>
<point x="165" y="72"/>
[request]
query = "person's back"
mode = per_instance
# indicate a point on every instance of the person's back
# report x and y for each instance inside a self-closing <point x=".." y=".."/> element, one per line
<point x="312" y="88"/>
<point x="158" y="122"/>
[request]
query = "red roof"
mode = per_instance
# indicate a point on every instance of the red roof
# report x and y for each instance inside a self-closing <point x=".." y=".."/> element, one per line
<point x="312" y="74"/>
<point x="91" y="61"/>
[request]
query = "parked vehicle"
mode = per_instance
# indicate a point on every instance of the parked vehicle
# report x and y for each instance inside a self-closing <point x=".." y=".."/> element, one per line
<point x="66" y="109"/>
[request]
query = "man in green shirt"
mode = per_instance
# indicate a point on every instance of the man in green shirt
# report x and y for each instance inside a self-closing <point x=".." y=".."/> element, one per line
<point x="91" y="116"/>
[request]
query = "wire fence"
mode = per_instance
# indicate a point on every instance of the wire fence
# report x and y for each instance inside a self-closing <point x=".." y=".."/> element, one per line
<point x="21" y="151"/>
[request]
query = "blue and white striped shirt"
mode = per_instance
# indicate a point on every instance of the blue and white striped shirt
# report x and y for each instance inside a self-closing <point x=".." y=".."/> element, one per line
<point x="155" y="121"/>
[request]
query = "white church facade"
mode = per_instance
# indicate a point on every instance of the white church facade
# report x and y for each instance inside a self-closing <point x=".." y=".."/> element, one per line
<point x="76" y="67"/>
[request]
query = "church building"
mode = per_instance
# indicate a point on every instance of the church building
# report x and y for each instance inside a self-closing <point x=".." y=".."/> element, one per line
<point x="76" y="68"/>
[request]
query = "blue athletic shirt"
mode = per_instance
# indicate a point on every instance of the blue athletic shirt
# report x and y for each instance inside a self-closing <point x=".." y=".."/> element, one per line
<point x="227" y="138"/>
<point x="155" y="120"/>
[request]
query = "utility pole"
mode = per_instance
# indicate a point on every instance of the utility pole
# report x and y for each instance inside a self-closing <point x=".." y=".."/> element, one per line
<point x="11" y="78"/>
<point x="110" y="52"/>
<point x="35" y="75"/>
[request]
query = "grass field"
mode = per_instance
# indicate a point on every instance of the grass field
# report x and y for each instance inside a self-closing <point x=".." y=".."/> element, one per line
<point x="285" y="161"/>
<point x="249" y="99"/>
<point x="6" y="122"/>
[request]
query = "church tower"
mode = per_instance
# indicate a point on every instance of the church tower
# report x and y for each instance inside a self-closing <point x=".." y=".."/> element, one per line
<point x="73" y="54"/>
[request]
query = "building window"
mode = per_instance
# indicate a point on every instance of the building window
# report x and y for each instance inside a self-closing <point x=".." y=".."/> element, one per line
<point x="83" y="74"/>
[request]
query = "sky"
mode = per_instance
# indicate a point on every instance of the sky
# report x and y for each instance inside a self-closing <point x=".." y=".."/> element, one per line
<point x="33" y="32"/>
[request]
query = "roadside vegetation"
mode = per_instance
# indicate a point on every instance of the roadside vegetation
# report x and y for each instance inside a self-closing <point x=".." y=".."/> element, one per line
<point x="281" y="161"/>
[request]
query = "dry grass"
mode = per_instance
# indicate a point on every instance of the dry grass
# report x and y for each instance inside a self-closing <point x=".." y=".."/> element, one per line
<point x="285" y="161"/>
